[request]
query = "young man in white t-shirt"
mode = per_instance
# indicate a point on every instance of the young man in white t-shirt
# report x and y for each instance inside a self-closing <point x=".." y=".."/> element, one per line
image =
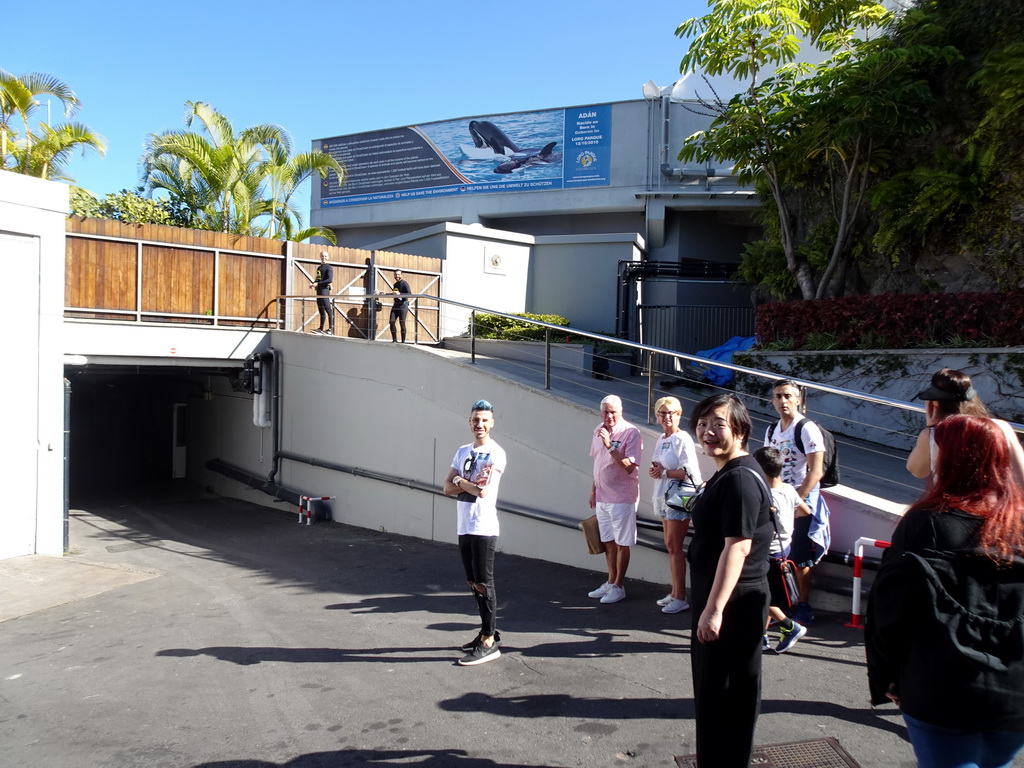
<point x="473" y="478"/>
<point x="803" y="470"/>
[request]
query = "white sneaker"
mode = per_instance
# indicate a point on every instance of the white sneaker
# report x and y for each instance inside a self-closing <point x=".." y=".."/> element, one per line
<point x="600" y="591"/>
<point x="614" y="594"/>
<point x="676" y="606"/>
<point x="665" y="600"/>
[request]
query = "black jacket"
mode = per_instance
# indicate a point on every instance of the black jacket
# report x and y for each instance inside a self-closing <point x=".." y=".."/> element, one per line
<point x="945" y="626"/>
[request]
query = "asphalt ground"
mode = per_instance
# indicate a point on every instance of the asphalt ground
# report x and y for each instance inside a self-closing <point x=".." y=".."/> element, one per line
<point x="200" y="631"/>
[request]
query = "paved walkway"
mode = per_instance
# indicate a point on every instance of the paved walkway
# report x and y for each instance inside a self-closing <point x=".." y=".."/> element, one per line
<point x="231" y="636"/>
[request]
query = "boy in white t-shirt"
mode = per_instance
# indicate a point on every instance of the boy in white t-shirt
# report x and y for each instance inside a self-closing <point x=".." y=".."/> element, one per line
<point x="788" y="505"/>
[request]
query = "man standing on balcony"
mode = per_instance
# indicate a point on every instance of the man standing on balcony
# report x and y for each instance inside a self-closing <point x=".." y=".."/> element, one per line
<point x="322" y="284"/>
<point x="616" y="447"/>
<point x="400" y="308"/>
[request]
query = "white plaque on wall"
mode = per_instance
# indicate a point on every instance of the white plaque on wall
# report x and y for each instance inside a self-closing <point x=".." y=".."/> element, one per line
<point x="493" y="262"/>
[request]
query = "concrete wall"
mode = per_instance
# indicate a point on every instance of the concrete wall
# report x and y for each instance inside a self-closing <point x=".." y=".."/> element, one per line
<point x="484" y="268"/>
<point x="402" y="410"/>
<point x="171" y="344"/>
<point x="32" y="214"/>
<point x="897" y="375"/>
<point x="576" y="276"/>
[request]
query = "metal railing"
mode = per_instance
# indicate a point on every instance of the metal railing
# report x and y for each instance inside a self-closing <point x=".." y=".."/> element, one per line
<point x="649" y="354"/>
<point x="356" y="312"/>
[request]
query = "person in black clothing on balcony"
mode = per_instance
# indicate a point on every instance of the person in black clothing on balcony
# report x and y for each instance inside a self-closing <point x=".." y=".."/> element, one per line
<point x="400" y="308"/>
<point x="322" y="284"/>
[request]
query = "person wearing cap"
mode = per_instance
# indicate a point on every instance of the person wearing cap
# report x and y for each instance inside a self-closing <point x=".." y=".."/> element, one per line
<point x="616" y="447"/>
<point x="322" y="284"/>
<point x="473" y="479"/>
<point x="951" y="393"/>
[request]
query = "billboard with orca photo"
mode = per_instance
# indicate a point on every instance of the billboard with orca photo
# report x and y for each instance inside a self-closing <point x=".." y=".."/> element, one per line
<point x="525" y="151"/>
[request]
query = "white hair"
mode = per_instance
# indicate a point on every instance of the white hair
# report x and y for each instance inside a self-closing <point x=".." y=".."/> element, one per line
<point x="613" y="400"/>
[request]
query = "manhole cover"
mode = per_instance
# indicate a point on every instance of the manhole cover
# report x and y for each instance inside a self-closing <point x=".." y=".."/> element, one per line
<point x="820" y="753"/>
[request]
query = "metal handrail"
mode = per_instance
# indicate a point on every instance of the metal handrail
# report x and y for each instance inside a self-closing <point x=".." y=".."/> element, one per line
<point x="651" y="351"/>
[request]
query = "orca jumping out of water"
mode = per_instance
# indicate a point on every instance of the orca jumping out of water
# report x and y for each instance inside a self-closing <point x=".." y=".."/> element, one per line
<point x="544" y="156"/>
<point x="487" y="134"/>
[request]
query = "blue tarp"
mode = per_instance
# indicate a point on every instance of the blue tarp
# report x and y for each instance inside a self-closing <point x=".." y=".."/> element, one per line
<point x="723" y="376"/>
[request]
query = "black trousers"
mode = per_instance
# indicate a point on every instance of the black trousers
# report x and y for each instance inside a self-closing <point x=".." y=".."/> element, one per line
<point x="399" y="314"/>
<point x="323" y="308"/>
<point x="478" y="559"/>
<point x="727" y="674"/>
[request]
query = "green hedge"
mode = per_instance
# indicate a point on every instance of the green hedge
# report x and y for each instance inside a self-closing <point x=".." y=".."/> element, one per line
<point x="498" y="327"/>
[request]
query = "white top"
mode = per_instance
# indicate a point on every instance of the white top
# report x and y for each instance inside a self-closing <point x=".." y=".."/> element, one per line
<point x="794" y="463"/>
<point x="786" y="500"/>
<point x="673" y="452"/>
<point x="1016" y="452"/>
<point x="482" y="466"/>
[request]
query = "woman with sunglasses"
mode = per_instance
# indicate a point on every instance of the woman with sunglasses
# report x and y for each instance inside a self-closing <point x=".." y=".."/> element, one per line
<point x="728" y="557"/>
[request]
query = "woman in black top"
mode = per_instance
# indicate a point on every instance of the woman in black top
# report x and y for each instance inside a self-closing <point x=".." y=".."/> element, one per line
<point x="945" y="622"/>
<point x="728" y="558"/>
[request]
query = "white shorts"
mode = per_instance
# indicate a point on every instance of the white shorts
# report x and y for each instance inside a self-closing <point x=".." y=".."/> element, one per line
<point x="617" y="522"/>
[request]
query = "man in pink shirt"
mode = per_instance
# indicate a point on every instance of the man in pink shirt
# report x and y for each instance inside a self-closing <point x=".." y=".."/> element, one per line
<point x="616" y="448"/>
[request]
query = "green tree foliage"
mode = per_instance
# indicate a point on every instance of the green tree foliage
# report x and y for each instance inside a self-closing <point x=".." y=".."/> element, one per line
<point x="830" y="119"/>
<point x="131" y="207"/>
<point x="234" y="182"/>
<point x="958" y="190"/>
<point x="35" y="147"/>
<point x="897" y="144"/>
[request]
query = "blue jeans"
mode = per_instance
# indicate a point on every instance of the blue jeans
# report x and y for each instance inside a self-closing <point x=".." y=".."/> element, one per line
<point x="937" y="747"/>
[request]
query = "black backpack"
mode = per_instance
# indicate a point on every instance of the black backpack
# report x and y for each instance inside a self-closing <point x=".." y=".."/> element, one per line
<point x="831" y="463"/>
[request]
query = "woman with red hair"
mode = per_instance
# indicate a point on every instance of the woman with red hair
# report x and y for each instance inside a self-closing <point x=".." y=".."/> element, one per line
<point x="945" y="629"/>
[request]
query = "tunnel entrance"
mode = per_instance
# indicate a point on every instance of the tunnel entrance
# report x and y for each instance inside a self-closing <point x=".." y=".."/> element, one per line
<point x="129" y="428"/>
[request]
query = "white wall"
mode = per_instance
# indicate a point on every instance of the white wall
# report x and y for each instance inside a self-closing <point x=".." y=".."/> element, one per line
<point x="172" y="344"/>
<point x="32" y="213"/>
<point x="484" y="268"/>
<point x="576" y="276"/>
<point x="403" y="411"/>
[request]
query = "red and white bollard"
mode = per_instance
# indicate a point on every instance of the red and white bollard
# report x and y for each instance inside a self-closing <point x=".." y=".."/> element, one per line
<point x="306" y="507"/>
<point x="858" y="569"/>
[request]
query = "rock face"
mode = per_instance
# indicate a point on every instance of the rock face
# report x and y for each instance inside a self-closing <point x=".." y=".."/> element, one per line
<point x="997" y="375"/>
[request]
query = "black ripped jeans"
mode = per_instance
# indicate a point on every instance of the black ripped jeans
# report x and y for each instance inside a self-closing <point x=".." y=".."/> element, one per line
<point x="478" y="559"/>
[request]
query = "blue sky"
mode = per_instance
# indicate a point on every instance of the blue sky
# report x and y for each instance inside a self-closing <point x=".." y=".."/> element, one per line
<point x="332" y="68"/>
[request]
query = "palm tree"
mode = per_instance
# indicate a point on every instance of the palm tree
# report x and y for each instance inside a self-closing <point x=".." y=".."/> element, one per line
<point x="44" y="150"/>
<point x="228" y="181"/>
<point x="285" y="174"/>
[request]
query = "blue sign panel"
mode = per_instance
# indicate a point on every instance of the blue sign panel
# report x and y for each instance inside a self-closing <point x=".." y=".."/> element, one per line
<point x="554" y="149"/>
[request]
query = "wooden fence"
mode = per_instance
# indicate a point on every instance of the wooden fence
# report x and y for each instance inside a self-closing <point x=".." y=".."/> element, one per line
<point x="157" y="274"/>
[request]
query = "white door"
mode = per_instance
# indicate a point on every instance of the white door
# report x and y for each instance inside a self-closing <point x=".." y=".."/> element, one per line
<point x="19" y="390"/>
